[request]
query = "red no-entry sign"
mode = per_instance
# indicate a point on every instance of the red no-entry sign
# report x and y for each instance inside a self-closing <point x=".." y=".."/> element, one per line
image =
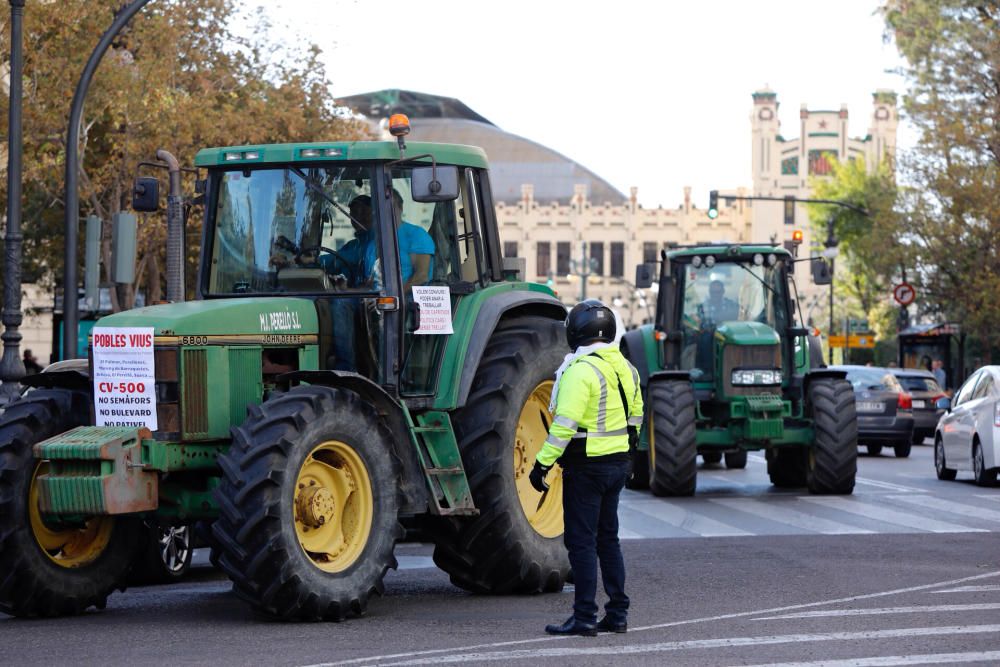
<point x="904" y="294"/>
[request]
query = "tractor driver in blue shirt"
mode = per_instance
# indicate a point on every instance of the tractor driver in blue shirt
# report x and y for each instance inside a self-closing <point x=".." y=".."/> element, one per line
<point x="416" y="250"/>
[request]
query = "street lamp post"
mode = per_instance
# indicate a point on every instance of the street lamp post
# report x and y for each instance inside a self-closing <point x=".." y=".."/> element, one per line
<point x="11" y="365"/>
<point x="583" y="268"/>
<point x="72" y="197"/>
<point x="830" y="253"/>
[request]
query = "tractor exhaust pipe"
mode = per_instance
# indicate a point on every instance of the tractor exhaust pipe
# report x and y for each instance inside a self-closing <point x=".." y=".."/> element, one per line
<point x="175" y="229"/>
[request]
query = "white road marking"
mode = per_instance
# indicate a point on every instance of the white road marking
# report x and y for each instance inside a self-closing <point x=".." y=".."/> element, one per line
<point x="684" y="519"/>
<point x="695" y="644"/>
<point x="782" y="513"/>
<point x="891" y="660"/>
<point x="875" y="511"/>
<point x="970" y="589"/>
<point x="626" y="534"/>
<point x="887" y="485"/>
<point x="939" y="503"/>
<point x="670" y="624"/>
<point x="925" y="609"/>
<point x="415" y="562"/>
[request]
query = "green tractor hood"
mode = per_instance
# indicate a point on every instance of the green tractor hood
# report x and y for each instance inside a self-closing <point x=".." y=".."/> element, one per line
<point x="222" y="317"/>
<point x="747" y="333"/>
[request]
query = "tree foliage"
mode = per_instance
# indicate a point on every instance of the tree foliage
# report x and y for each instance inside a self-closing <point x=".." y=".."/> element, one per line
<point x="950" y="211"/>
<point x="177" y="78"/>
<point x="869" y="254"/>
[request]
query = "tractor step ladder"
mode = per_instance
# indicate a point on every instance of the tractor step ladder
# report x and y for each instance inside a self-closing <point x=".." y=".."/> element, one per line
<point x="438" y="452"/>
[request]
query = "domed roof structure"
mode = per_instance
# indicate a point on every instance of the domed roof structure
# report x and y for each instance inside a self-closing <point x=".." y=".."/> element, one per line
<point x="514" y="160"/>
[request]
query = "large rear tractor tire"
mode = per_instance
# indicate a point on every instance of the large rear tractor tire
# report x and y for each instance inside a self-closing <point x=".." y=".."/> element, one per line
<point x="833" y="456"/>
<point x="786" y="467"/>
<point x="50" y="569"/>
<point x="309" y="504"/>
<point x="736" y="460"/>
<point x="672" y="438"/>
<point x="515" y="544"/>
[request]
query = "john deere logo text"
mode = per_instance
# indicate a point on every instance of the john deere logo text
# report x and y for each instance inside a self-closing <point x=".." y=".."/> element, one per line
<point x="279" y="321"/>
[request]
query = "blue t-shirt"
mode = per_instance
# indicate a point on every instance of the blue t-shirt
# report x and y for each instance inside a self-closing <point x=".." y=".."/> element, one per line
<point x="413" y="240"/>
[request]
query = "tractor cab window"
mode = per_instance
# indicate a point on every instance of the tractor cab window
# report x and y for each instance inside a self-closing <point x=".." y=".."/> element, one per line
<point x="440" y="244"/>
<point x="298" y="229"/>
<point x="726" y="292"/>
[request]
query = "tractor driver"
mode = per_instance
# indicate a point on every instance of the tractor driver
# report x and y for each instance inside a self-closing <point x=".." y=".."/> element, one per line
<point x="717" y="309"/>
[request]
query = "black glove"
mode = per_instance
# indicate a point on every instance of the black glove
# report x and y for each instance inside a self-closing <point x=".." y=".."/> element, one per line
<point x="537" y="477"/>
<point x="633" y="437"/>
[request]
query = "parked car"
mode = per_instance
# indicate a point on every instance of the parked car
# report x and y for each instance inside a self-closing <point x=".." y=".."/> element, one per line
<point x="966" y="437"/>
<point x="925" y="391"/>
<point x="885" y="409"/>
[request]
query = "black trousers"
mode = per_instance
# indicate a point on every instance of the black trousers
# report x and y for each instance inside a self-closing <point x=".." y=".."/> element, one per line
<point x="590" y="509"/>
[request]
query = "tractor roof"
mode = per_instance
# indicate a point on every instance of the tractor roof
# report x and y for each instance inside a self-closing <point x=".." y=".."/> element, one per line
<point x="730" y="249"/>
<point x="464" y="156"/>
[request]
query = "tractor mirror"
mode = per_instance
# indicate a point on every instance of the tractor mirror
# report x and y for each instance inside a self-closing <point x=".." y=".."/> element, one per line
<point x="146" y="195"/>
<point x="434" y="184"/>
<point x="644" y="274"/>
<point x="820" y="271"/>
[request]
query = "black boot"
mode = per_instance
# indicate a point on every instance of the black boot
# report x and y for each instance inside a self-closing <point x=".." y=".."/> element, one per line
<point x="573" y="627"/>
<point x="607" y="625"/>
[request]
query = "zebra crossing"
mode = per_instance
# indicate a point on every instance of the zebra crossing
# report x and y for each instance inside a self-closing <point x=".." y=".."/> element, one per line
<point x="642" y="516"/>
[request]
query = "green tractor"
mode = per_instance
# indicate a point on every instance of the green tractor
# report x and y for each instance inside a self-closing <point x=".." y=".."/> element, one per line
<point x="309" y="406"/>
<point x="726" y="370"/>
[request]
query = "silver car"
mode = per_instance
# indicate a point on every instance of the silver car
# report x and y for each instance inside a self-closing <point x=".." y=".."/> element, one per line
<point x="967" y="436"/>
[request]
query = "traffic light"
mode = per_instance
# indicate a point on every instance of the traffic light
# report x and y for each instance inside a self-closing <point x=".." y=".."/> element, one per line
<point x="789" y="210"/>
<point x="713" y="204"/>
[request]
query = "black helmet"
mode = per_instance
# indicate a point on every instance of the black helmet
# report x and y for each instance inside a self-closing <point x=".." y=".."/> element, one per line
<point x="589" y="321"/>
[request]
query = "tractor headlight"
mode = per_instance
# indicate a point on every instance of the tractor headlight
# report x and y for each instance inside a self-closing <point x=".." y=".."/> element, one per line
<point x="756" y="377"/>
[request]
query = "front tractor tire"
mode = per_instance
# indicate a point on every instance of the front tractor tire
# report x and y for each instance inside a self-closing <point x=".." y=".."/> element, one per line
<point x="515" y="544"/>
<point x="672" y="445"/>
<point x="833" y="456"/>
<point x="309" y="502"/>
<point x="47" y="568"/>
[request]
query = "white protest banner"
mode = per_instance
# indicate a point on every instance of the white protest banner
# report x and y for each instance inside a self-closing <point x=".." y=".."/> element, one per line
<point x="435" y="309"/>
<point x="124" y="379"/>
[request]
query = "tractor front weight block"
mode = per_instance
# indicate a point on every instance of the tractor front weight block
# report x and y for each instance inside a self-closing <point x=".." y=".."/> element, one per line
<point x="95" y="470"/>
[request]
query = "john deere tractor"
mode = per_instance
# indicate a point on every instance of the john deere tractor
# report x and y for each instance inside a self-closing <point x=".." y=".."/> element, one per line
<point x="306" y="406"/>
<point x="726" y="370"/>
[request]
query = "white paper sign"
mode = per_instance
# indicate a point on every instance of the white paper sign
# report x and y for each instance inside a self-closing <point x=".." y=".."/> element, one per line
<point x="435" y="309"/>
<point x="124" y="378"/>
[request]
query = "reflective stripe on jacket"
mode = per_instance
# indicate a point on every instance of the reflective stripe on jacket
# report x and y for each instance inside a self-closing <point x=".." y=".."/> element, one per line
<point x="589" y="399"/>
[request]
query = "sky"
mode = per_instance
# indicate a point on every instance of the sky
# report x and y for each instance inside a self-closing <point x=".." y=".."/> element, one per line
<point x="652" y="93"/>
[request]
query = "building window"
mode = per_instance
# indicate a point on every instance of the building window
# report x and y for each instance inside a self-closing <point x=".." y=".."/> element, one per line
<point x="597" y="257"/>
<point x="649" y="252"/>
<point x="820" y="162"/>
<point x="617" y="259"/>
<point x="790" y="166"/>
<point x="510" y="248"/>
<point x="544" y="259"/>
<point x="562" y="258"/>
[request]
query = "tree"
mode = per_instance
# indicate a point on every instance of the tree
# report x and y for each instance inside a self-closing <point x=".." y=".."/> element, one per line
<point x="868" y="245"/>
<point x="178" y="79"/>
<point x="950" y="211"/>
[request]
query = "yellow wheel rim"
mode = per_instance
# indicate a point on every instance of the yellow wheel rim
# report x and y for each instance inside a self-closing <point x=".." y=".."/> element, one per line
<point x="333" y="506"/>
<point x="545" y="514"/>
<point x="67" y="547"/>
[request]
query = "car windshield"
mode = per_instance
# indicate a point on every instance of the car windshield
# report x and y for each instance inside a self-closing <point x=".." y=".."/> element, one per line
<point x="873" y="379"/>
<point x="919" y="383"/>
<point x="292" y="229"/>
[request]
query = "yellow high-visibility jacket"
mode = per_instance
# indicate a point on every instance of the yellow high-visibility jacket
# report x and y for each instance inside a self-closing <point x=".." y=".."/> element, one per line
<point x="589" y="399"/>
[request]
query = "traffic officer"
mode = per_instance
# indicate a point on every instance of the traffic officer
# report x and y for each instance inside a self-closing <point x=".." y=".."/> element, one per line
<point x="598" y="408"/>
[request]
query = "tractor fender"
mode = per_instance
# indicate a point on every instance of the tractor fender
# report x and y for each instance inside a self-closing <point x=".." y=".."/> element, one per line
<point x="682" y="376"/>
<point x="506" y="304"/>
<point x="820" y="373"/>
<point x="634" y="345"/>
<point x="64" y="379"/>
<point x="415" y="498"/>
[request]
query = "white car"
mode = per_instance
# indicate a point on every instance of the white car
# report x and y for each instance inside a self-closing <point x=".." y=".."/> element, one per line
<point x="968" y="435"/>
